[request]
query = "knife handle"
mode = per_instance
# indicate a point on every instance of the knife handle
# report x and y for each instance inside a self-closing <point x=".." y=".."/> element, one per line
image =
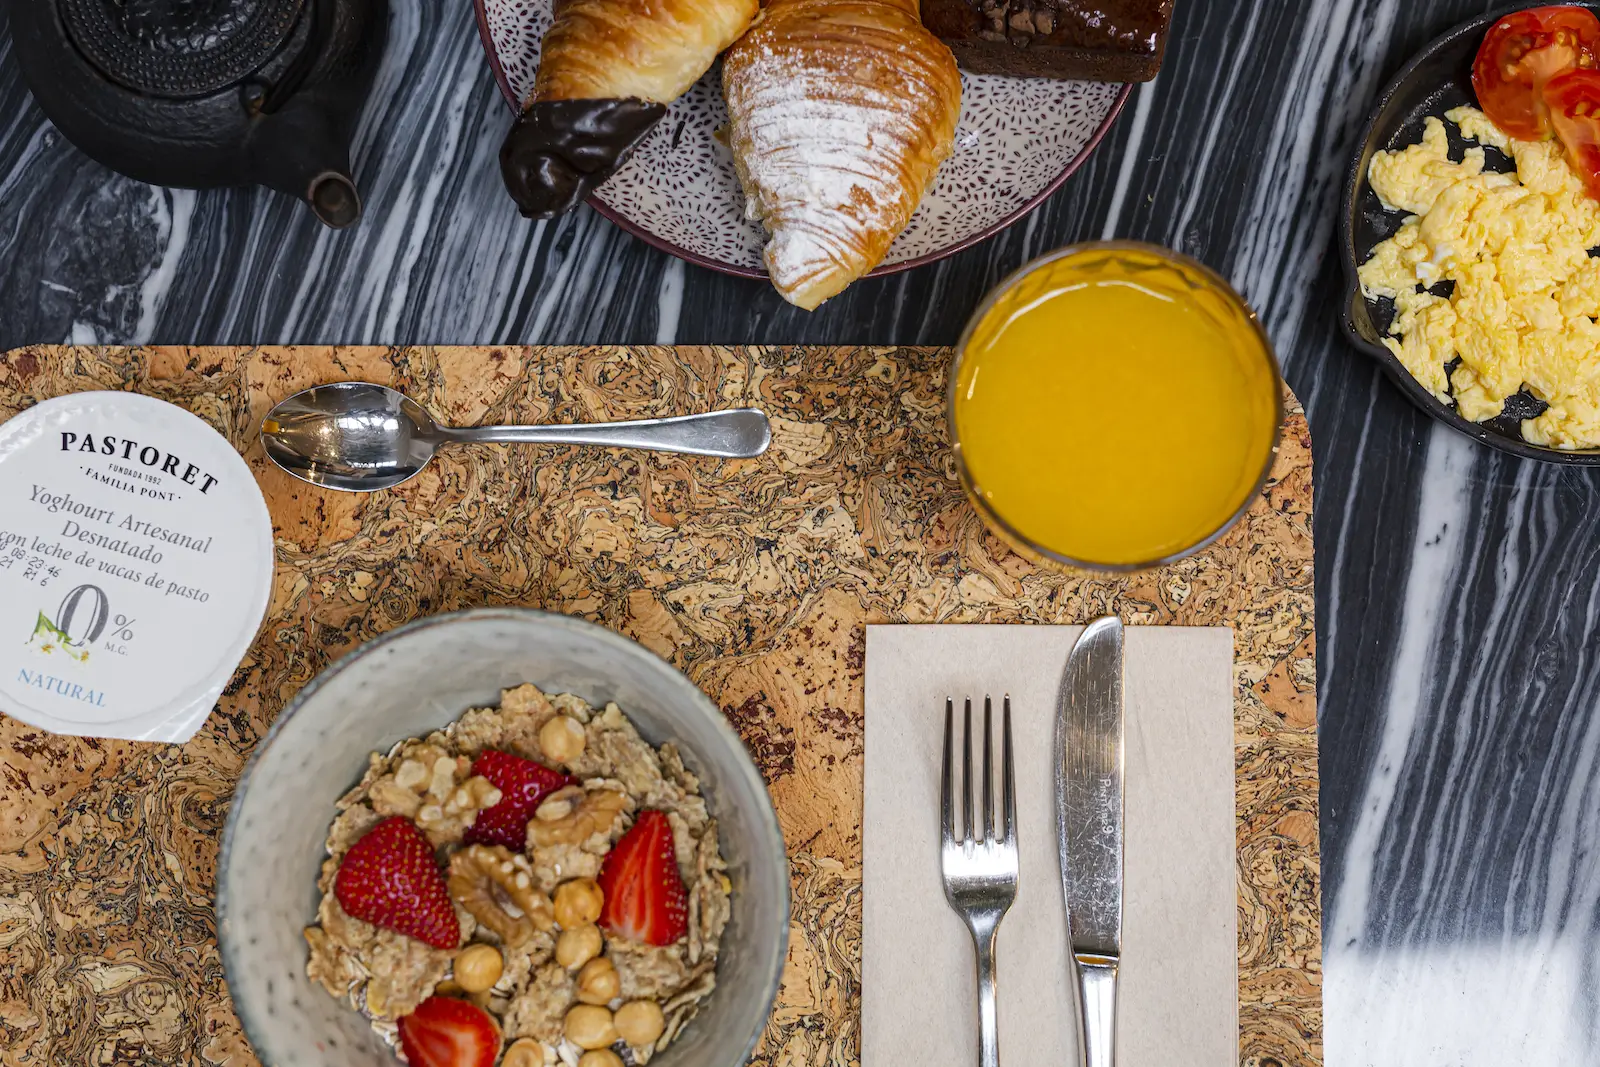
<point x="1097" y="997"/>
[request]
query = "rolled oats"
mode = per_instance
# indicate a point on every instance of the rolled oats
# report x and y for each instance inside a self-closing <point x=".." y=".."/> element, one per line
<point x="538" y="1011"/>
<point x="379" y="972"/>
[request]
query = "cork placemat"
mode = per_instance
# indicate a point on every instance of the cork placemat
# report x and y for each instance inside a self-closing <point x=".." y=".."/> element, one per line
<point x="756" y="577"/>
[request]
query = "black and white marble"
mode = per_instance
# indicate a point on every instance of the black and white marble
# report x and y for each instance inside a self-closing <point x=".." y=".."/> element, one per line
<point x="1458" y="600"/>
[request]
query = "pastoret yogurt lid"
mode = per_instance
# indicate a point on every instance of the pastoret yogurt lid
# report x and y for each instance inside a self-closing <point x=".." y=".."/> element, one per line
<point x="135" y="566"/>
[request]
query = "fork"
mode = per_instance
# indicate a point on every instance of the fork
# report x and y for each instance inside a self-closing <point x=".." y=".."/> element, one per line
<point x="980" y="870"/>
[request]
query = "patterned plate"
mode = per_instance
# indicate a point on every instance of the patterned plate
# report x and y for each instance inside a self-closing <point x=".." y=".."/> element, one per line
<point x="1018" y="139"/>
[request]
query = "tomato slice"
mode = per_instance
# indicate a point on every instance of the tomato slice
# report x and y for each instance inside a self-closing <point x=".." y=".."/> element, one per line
<point x="1522" y="52"/>
<point x="1574" y="102"/>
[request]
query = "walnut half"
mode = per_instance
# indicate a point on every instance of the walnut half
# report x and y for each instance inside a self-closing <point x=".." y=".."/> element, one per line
<point x="448" y="821"/>
<point x="570" y="816"/>
<point x="434" y="788"/>
<point x="496" y="886"/>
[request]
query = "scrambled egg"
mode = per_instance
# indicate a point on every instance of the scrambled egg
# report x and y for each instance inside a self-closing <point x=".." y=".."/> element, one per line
<point x="1526" y="292"/>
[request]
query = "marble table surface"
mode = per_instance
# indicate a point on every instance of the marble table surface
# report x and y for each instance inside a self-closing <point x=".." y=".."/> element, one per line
<point x="1458" y="601"/>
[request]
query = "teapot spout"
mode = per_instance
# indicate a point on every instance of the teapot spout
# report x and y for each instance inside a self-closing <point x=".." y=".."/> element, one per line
<point x="302" y="151"/>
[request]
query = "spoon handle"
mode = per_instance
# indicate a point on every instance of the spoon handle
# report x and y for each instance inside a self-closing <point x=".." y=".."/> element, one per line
<point x="733" y="434"/>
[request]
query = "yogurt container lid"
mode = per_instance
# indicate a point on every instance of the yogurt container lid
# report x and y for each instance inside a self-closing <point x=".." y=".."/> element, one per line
<point x="136" y="560"/>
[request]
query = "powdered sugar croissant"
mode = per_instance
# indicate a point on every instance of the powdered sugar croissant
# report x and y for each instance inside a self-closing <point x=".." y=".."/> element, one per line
<point x="841" y="112"/>
<point x="607" y="71"/>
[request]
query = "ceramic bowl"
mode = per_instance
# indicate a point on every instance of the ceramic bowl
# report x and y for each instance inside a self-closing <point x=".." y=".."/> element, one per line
<point x="1018" y="140"/>
<point x="422" y="677"/>
<point x="1436" y="79"/>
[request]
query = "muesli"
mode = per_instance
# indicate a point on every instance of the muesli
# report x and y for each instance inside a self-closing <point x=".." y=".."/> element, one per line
<point x="534" y="880"/>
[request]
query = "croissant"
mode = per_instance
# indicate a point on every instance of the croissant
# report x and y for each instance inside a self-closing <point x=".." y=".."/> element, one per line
<point x="607" y="71"/>
<point x="841" y="112"/>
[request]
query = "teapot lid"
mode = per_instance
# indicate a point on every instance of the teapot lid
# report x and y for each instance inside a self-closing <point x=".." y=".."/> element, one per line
<point x="178" y="48"/>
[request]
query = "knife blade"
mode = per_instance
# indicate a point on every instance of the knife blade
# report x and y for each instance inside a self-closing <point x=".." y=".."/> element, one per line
<point x="1089" y="824"/>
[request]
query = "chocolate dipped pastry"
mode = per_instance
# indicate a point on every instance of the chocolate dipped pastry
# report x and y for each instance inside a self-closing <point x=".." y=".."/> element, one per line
<point x="1095" y="40"/>
<point x="607" y="71"/>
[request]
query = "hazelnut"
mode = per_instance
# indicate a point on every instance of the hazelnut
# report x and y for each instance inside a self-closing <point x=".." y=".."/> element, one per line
<point x="578" y="903"/>
<point x="578" y="946"/>
<point x="589" y="1026"/>
<point x="562" y="739"/>
<point x="525" y="1052"/>
<point x="598" y="982"/>
<point x="596" y="1057"/>
<point x="478" y="968"/>
<point x="640" y="1022"/>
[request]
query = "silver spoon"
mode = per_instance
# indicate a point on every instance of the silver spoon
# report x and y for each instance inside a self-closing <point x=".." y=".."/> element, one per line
<point x="362" y="437"/>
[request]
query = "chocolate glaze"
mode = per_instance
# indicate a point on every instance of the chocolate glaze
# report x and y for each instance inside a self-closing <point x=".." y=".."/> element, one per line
<point x="560" y="151"/>
<point x="1098" y="40"/>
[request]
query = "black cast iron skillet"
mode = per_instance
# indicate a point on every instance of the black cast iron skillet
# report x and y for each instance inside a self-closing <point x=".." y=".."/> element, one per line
<point x="1436" y="80"/>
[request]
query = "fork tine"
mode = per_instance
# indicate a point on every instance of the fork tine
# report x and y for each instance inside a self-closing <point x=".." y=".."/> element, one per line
<point x="988" y="770"/>
<point x="1008" y="786"/>
<point x="966" y="773"/>
<point x="946" y="809"/>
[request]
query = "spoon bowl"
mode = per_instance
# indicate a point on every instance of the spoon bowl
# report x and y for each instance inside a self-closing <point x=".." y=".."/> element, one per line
<point x="351" y="436"/>
<point x="361" y="437"/>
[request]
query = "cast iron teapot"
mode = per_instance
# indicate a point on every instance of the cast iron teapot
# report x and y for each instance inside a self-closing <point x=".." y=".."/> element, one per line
<point x="201" y="93"/>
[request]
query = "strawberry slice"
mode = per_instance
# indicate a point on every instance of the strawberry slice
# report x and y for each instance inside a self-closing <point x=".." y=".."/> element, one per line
<point x="445" y="1032"/>
<point x="644" y="896"/>
<point x="389" y="878"/>
<point x="523" y="785"/>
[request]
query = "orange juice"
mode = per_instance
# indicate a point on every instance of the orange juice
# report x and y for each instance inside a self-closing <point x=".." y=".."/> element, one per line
<point x="1114" y="405"/>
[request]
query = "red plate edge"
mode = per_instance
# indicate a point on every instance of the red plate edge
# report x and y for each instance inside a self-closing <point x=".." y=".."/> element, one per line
<point x="750" y="272"/>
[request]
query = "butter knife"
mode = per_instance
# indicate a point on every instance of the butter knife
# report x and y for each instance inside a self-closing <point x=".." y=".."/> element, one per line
<point x="1089" y="806"/>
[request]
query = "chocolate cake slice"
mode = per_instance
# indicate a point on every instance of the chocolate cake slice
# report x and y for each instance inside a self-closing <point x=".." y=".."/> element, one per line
<point x="1097" y="40"/>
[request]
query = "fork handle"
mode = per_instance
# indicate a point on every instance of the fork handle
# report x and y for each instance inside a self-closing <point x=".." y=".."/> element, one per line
<point x="1097" y="995"/>
<point x="988" y="1023"/>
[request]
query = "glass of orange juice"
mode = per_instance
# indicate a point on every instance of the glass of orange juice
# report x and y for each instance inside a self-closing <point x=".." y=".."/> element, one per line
<point x="1114" y="406"/>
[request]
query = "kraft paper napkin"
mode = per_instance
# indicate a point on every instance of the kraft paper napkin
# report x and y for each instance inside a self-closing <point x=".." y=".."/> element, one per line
<point x="1178" y="999"/>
